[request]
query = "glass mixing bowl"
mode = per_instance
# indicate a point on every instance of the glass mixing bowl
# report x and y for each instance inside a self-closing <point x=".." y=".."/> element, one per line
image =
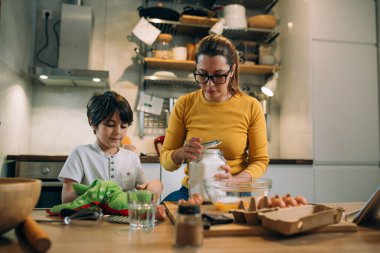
<point x="226" y="195"/>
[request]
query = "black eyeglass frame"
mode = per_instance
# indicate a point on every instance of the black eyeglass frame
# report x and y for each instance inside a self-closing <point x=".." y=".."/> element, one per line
<point x="208" y="77"/>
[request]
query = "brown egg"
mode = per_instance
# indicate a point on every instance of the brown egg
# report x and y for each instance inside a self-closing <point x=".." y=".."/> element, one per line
<point x="301" y="200"/>
<point x="181" y="202"/>
<point x="289" y="200"/>
<point x="191" y="201"/>
<point x="264" y="202"/>
<point x="277" y="202"/>
<point x="198" y="198"/>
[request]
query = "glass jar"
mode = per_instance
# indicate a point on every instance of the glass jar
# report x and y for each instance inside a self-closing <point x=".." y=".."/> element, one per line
<point x="162" y="47"/>
<point x="188" y="227"/>
<point x="207" y="165"/>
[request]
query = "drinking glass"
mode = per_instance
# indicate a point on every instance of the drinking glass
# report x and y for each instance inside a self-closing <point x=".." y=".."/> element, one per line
<point x="141" y="209"/>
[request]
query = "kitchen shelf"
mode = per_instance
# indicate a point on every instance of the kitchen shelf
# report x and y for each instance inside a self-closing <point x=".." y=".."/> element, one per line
<point x="177" y="28"/>
<point x="261" y="5"/>
<point x="155" y="63"/>
<point x="184" y="85"/>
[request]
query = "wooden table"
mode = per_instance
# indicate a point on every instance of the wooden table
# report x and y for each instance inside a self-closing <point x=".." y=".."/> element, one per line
<point x="107" y="237"/>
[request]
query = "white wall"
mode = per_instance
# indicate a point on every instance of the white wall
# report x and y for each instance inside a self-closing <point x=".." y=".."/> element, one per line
<point x="59" y="114"/>
<point x="16" y="40"/>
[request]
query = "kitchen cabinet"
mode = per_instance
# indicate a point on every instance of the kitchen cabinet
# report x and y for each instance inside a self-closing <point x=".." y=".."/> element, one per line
<point x="351" y="183"/>
<point x="151" y="171"/>
<point x="344" y="82"/>
<point x="344" y="20"/>
<point x="169" y="87"/>
<point x="171" y="180"/>
<point x="345" y="95"/>
<point x="293" y="179"/>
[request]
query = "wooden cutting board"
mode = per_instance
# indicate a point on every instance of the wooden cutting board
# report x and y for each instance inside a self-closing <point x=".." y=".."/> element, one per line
<point x="234" y="229"/>
<point x="195" y="20"/>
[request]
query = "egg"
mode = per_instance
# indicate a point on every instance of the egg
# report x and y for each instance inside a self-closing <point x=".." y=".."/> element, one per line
<point x="277" y="201"/>
<point x="289" y="200"/>
<point x="301" y="200"/>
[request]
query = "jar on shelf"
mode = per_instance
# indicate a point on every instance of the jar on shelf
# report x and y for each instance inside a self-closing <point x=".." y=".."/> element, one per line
<point x="162" y="47"/>
<point x="207" y="165"/>
<point x="188" y="227"/>
<point x="266" y="56"/>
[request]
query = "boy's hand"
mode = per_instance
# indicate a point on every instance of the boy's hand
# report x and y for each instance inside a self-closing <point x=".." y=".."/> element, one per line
<point x="142" y="186"/>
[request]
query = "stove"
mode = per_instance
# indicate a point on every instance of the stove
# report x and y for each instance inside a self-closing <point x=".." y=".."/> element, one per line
<point x="45" y="168"/>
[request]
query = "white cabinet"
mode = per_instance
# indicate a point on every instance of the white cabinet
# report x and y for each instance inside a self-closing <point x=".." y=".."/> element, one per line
<point x="171" y="180"/>
<point x="293" y="179"/>
<point x="345" y="102"/>
<point x="344" y="20"/>
<point x="345" y="183"/>
<point x="151" y="171"/>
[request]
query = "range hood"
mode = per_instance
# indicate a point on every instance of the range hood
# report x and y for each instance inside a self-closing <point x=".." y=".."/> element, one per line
<point x="70" y="77"/>
<point x="74" y="52"/>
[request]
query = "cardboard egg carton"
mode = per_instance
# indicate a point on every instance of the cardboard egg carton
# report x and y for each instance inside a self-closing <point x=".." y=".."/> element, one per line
<point x="294" y="220"/>
<point x="250" y="216"/>
<point x="290" y="220"/>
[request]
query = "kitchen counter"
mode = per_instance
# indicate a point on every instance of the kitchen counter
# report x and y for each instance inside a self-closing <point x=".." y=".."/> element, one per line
<point x="144" y="159"/>
<point x="107" y="237"/>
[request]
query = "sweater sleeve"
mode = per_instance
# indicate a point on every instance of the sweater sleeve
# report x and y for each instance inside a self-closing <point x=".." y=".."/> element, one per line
<point x="258" y="146"/>
<point x="175" y="135"/>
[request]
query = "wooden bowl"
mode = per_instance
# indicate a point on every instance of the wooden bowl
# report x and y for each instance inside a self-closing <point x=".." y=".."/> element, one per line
<point x="262" y="21"/>
<point x="18" y="198"/>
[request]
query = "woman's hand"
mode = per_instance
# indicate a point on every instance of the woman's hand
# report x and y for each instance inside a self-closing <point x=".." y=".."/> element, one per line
<point x="226" y="175"/>
<point x="189" y="151"/>
<point x="241" y="177"/>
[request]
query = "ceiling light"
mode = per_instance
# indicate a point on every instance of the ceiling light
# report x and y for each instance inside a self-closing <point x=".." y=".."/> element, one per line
<point x="96" y="80"/>
<point x="44" y="77"/>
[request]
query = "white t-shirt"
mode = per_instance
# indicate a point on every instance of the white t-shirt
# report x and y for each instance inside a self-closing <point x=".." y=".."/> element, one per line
<point x="87" y="163"/>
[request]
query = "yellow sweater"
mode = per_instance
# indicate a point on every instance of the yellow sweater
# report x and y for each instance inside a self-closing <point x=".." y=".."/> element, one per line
<point x="239" y="122"/>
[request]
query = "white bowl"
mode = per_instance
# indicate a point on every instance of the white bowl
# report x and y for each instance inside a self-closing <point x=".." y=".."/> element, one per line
<point x="165" y="74"/>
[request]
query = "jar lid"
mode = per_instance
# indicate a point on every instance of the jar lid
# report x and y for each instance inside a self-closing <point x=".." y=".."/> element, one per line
<point x="165" y="37"/>
<point x="188" y="209"/>
<point x="211" y="151"/>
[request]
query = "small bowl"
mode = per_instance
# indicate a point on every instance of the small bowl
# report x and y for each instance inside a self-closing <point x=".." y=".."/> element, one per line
<point x="269" y="60"/>
<point x="18" y="198"/>
<point x="226" y="195"/>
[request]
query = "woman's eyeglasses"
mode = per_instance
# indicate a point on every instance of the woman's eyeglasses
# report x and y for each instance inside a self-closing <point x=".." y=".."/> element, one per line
<point x="216" y="79"/>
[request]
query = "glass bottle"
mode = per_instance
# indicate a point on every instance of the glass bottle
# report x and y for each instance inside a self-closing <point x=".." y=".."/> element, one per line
<point x="188" y="227"/>
<point x="207" y="165"/>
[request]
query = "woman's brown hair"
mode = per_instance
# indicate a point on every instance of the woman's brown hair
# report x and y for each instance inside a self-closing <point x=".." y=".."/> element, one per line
<point x="214" y="45"/>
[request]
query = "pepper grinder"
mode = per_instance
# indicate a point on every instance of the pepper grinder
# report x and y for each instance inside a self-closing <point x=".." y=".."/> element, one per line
<point x="188" y="227"/>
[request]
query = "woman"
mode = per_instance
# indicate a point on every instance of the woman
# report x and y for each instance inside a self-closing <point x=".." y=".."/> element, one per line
<point x="109" y="115"/>
<point x="219" y="110"/>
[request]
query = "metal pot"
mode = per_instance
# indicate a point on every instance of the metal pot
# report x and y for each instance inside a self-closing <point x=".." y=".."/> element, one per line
<point x="200" y="12"/>
<point x="158" y="12"/>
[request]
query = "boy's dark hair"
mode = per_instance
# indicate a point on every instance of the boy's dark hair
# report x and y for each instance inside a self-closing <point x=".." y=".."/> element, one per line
<point x="103" y="106"/>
